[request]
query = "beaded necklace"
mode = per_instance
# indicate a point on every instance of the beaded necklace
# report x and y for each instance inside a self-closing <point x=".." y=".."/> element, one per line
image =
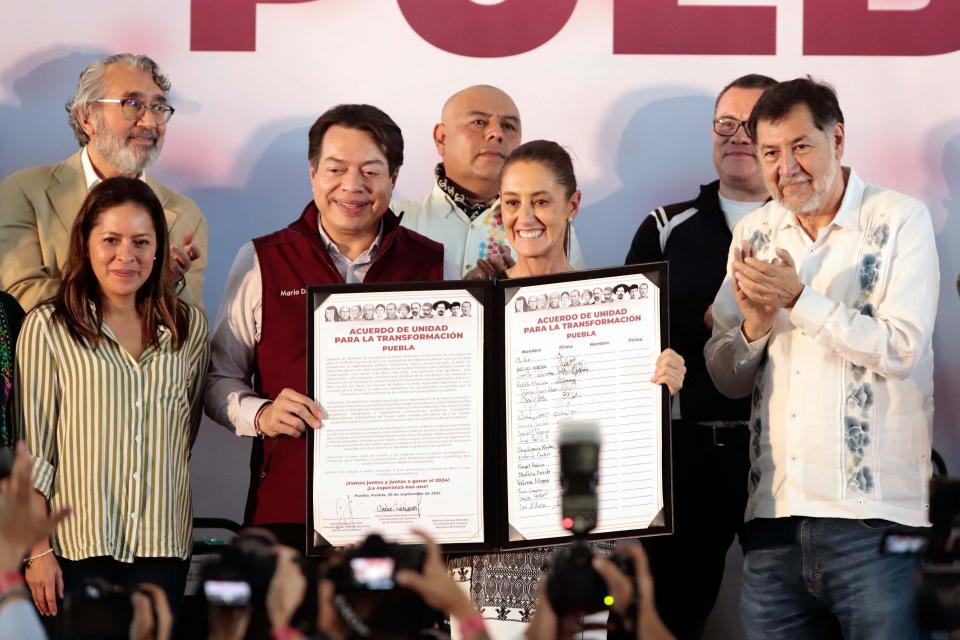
<point x="6" y="371"/>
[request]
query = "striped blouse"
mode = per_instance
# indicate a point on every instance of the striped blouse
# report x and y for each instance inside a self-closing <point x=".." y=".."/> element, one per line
<point x="111" y="436"/>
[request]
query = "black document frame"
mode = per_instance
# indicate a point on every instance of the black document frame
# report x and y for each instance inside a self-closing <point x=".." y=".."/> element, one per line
<point x="493" y="297"/>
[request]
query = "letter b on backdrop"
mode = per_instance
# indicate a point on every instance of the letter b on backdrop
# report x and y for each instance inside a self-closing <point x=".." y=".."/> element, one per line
<point x="850" y="28"/>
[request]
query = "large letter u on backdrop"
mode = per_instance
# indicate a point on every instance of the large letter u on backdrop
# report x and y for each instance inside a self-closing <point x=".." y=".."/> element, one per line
<point x="487" y="31"/>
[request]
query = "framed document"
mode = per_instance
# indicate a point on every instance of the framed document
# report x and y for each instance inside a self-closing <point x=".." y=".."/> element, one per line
<point x="444" y="402"/>
<point x="399" y="370"/>
<point x="584" y="346"/>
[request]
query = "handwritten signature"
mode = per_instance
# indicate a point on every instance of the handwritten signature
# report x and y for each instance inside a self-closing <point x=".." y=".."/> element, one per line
<point x="344" y="513"/>
<point x="397" y="507"/>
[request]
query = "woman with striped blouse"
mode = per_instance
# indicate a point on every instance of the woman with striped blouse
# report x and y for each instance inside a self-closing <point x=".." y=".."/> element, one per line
<point x="109" y="388"/>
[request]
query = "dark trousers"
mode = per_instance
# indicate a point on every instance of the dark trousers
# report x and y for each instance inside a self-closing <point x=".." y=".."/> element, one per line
<point x="709" y="498"/>
<point x="170" y="574"/>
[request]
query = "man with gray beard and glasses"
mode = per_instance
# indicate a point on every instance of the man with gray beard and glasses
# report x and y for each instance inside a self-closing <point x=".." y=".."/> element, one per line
<point x="825" y="321"/>
<point x="119" y="116"/>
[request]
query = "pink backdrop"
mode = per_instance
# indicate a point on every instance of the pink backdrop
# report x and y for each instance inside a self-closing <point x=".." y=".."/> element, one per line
<point x="627" y="85"/>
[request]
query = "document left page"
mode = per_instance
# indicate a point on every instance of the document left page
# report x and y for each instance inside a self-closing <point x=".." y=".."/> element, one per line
<point x="400" y="376"/>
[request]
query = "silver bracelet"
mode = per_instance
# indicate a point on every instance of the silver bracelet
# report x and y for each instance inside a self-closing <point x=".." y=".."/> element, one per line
<point x="256" y="419"/>
<point x="29" y="561"/>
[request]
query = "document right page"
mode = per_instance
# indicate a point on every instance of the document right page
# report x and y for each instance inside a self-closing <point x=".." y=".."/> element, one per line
<point x="583" y="350"/>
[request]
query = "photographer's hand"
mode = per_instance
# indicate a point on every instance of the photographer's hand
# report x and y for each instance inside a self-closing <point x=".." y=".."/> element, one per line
<point x="24" y="522"/>
<point x="648" y="624"/>
<point x="152" y="619"/>
<point x="286" y="590"/>
<point x="328" y="621"/>
<point x="545" y="624"/>
<point x="438" y="589"/>
<point x="23" y="513"/>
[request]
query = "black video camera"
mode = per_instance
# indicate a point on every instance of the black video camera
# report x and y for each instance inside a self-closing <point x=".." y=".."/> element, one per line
<point x="240" y="575"/>
<point x="99" y="611"/>
<point x="237" y="578"/>
<point x="937" y="591"/>
<point x="937" y="582"/>
<point x="367" y="595"/>
<point x="374" y="564"/>
<point x="573" y="585"/>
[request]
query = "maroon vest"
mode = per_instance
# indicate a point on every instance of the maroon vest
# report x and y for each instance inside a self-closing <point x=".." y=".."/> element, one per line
<point x="291" y="259"/>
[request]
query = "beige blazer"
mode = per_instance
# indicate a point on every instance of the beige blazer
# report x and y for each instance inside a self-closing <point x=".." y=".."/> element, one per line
<point x="37" y="210"/>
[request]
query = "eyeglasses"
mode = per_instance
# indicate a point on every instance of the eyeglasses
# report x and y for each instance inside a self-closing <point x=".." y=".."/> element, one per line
<point x="727" y="127"/>
<point x="133" y="109"/>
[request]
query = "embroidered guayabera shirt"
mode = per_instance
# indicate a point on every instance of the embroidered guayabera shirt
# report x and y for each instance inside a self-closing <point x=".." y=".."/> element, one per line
<point x="842" y="386"/>
<point x="111" y="435"/>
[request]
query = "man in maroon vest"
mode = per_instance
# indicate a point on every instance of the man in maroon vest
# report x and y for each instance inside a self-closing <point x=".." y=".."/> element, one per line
<point x="257" y="382"/>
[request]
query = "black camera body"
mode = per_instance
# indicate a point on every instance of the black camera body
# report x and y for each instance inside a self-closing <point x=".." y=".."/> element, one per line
<point x="247" y="561"/>
<point x="937" y="582"/>
<point x="367" y="596"/>
<point x="574" y="587"/>
<point x="373" y="565"/>
<point x="99" y="611"/>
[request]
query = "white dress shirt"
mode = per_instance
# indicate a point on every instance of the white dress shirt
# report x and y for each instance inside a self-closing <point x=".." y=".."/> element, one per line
<point x="230" y="398"/>
<point x="842" y="385"/>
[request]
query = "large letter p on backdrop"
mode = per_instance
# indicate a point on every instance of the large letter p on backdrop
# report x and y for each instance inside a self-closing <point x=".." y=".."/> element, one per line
<point x="487" y="31"/>
<point x="226" y="25"/>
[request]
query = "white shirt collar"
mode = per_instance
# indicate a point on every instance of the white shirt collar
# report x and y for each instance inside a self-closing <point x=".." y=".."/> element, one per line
<point x="90" y="174"/>
<point x="848" y="215"/>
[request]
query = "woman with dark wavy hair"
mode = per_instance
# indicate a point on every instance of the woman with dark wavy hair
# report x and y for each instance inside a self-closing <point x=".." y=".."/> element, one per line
<point x="109" y="387"/>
